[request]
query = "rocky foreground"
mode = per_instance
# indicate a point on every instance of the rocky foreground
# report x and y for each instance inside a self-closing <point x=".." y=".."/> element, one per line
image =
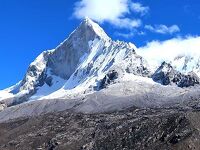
<point x="148" y="129"/>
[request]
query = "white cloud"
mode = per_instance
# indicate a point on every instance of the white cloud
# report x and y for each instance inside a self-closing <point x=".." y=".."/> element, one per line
<point x="126" y="23"/>
<point x="101" y="10"/>
<point x="112" y="11"/>
<point x="138" y="8"/>
<point x="163" y="29"/>
<point x="129" y="34"/>
<point x="156" y="51"/>
<point x="117" y="13"/>
<point x="125" y="35"/>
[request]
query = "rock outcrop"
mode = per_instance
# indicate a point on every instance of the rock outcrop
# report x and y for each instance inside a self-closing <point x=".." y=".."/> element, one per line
<point x="167" y="75"/>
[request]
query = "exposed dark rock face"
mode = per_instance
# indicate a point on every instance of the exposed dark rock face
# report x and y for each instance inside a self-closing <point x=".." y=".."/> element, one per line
<point x="132" y="129"/>
<point x="189" y="80"/>
<point x="142" y="69"/>
<point x="48" y="81"/>
<point x="108" y="79"/>
<point x="167" y="75"/>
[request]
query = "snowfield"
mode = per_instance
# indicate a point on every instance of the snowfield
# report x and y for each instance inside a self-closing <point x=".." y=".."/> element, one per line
<point x="133" y="91"/>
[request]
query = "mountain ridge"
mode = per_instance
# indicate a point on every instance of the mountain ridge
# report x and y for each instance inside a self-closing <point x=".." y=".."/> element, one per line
<point x="89" y="67"/>
<point x="88" y="41"/>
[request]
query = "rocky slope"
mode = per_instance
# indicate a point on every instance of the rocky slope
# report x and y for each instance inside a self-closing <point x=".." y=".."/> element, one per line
<point x="139" y="129"/>
<point x="167" y="75"/>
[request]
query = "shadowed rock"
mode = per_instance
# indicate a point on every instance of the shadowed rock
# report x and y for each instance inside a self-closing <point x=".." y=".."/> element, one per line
<point x="167" y="75"/>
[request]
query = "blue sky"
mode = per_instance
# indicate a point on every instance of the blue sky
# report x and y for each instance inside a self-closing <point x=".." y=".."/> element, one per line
<point x="29" y="27"/>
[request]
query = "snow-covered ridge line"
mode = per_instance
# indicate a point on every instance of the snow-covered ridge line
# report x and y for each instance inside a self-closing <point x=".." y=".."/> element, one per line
<point x="74" y="66"/>
<point x="86" y="62"/>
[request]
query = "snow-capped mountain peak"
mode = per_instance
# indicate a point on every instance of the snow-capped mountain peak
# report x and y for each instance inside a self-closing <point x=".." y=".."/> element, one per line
<point x="87" y="23"/>
<point x="86" y="62"/>
<point x="78" y="65"/>
<point x="89" y="72"/>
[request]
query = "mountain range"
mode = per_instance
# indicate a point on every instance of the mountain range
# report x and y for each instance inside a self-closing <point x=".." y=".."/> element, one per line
<point x="89" y="73"/>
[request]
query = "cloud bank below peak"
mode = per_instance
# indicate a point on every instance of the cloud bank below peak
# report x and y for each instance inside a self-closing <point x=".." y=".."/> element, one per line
<point x="158" y="51"/>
